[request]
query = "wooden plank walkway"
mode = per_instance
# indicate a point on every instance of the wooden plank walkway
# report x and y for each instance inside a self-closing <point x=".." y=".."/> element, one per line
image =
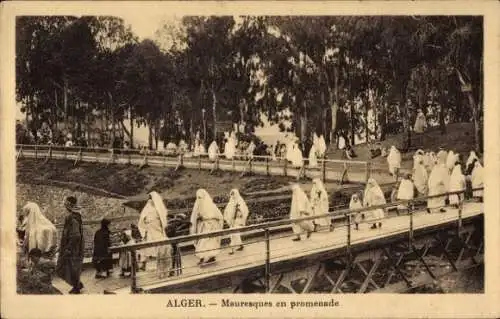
<point x="282" y="248"/>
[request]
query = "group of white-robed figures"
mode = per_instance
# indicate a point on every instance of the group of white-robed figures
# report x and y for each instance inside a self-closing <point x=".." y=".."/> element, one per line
<point x="294" y="154"/>
<point x="435" y="174"/>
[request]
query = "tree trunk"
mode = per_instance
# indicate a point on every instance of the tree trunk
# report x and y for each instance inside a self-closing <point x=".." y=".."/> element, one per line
<point x="65" y="97"/>
<point x="353" y="132"/>
<point x="112" y="113"/>
<point x="442" y="124"/>
<point x="367" y="129"/>
<point x="150" y="137"/>
<point x="131" y="129"/>
<point x="475" y="120"/>
<point x="333" y="100"/>
<point x="214" y="113"/>
<point x="54" y="115"/>
<point x="383" y="122"/>
<point x="405" y="114"/>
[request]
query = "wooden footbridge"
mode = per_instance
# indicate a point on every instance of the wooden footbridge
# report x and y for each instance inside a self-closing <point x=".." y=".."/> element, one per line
<point x="327" y="169"/>
<point x="410" y="249"/>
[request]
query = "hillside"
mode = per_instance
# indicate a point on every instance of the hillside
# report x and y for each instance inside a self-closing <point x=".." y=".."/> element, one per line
<point x="459" y="138"/>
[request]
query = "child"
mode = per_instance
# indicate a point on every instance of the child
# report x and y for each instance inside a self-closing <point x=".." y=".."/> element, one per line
<point x="356" y="204"/>
<point x="125" y="259"/>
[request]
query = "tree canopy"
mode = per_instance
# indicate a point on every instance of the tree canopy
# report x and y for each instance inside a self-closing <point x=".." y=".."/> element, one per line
<point x="337" y="75"/>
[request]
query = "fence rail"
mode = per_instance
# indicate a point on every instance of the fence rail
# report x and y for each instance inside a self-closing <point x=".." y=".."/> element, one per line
<point x="265" y="228"/>
<point x="328" y="169"/>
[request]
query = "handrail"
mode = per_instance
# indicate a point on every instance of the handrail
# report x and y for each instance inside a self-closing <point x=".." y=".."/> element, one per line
<point x="272" y="224"/>
<point x="152" y="153"/>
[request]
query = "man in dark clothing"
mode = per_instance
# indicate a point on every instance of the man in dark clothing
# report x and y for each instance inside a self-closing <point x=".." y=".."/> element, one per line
<point x="102" y="258"/>
<point x="70" y="260"/>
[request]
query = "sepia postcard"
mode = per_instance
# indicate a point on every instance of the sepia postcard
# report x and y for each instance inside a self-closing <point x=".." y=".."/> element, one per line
<point x="227" y="159"/>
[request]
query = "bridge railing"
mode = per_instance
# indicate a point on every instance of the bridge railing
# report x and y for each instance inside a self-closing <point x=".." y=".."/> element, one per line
<point x="327" y="169"/>
<point x="265" y="229"/>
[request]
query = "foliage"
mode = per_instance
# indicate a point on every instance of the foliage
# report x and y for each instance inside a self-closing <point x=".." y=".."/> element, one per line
<point x="331" y="72"/>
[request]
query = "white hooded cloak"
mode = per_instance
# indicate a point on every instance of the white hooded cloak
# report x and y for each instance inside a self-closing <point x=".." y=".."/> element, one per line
<point x="471" y="158"/>
<point x="152" y="223"/>
<point x="40" y="232"/>
<point x="477" y="179"/>
<point x="319" y="202"/>
<point x="313" y="160"/>
<point x="457" y="183"/>
<point x="301" y="207"/>
<point x="230" y="148"/>
<point x="438" y="182"/>
<point x="394" y="160"/>
<point x="205" y="218"/>
<point x="296" y="156"/>
<point x="372" y="196"/>
<point x="356" y="203"/>
<point x="405" y="190"/>
<point x="213" y="151"/>
<point x="451" y="160"/>
<point x="321" y="146"/>
<point x="420" y="178"/>
<point x="236" y="214"/>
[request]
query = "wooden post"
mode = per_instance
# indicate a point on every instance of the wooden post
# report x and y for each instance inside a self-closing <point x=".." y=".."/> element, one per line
<point x="65" y="152"/>
<point x="95" y="155"/>
<point x="348" y="221"/>
<point x="133" y="286"/>
<point x="199" y="162"/>
<point x="267" y="166"/>
<point x="36" y="151"/>
<point x="50" y="152"/>
<point x="460" y="207"/>
<point x="368" y="171"/>
<point x="285" y="168"/>
<point x="323" y="169"/>
<point x="268" y="262"/>
<point x="233" y="165"/>
<point x="410" y="232"/>
<point x="250" y="165"/>
<point x="129" y="158"/>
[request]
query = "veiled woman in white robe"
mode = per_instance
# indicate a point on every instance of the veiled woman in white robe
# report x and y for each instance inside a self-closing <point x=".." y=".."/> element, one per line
<point x="470" y="160"/>
<point x="373" y="196"/>
<point x="430" y="161"/>
<point x="230" y="148"/>
<point x="477" y="180"/>
<point x="457" y="183"/>
<point x="420" y="122"/>
<point x="296" y="156"/>
<point x="313" y="160"/>
<point x="40" y="232"/>
<point x="152" y="224"/>
<point x="236" y="215"/>
<point x="300" y="208"/>
<point x="356" y="203"/>
<point x="205" y="218"/>
<point x="420" y="178"/>
<point x="213" y="151"/>
<point x="394" y="161"/>
<point x="419" y="156"/>
<point x="321" y="146"/>
<point x="406" y="191"/>
<point x="439" y="180"/>
<point x="451" y="160"/>
<point x="320" y="203"/>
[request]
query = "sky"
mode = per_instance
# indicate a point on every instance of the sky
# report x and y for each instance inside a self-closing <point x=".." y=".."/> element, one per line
<point x="145" y="26"/>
